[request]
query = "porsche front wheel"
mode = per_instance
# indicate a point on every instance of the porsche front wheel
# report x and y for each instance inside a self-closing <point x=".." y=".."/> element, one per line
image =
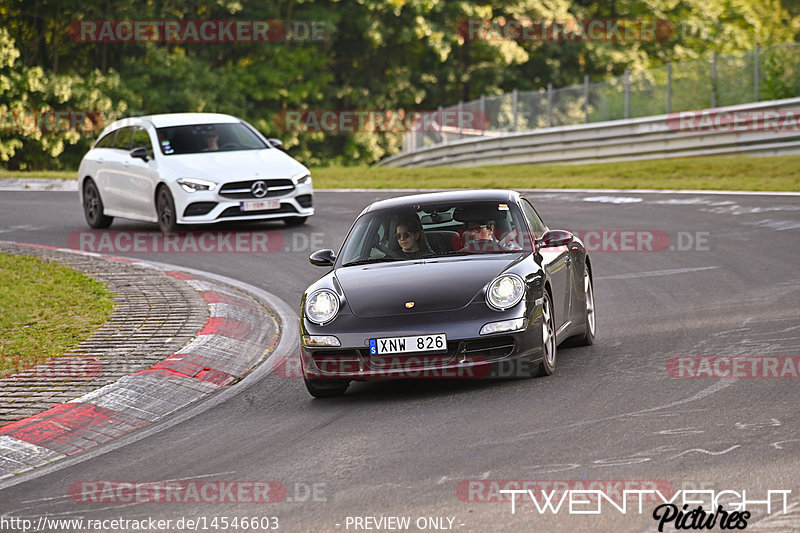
<point x="548" y="364"/>
<point x="589" y="312"/>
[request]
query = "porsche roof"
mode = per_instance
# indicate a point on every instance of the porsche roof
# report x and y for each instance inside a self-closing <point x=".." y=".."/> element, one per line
<point x="470" y="195"/>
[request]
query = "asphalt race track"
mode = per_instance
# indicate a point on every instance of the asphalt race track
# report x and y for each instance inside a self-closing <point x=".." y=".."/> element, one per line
<point x="730" y="286"/>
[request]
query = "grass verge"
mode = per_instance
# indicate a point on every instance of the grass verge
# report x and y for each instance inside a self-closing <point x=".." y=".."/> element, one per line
<point x="738" y="173"/>
<point x="47" y="309"/>
<point x="48" y="174"/>
<point x="716" y="173"/>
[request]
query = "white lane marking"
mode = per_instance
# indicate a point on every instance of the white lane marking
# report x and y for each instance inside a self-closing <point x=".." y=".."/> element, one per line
<point x="779" y="225"/>
<point x="777" y="445"/>
<point x="736" y="209"/>
<point x="681" y="431"/>
<point x="592" y="191"/>
<point x="656" y="273"/>
<point x="143" y="483"/>
<point x="444" y="479"/>
<point x="612" y="199"/>
<point x="701" y="450"/>
<point x="711" y="389"/>
<point x="692" y="201"/>
<point x="24" y="227"/>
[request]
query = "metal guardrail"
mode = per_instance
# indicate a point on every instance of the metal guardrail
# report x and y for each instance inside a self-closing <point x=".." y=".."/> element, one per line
<point x="618" y="140"/>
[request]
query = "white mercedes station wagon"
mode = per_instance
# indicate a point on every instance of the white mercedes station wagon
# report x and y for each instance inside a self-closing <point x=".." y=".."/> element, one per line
<point x="191" y="168"/>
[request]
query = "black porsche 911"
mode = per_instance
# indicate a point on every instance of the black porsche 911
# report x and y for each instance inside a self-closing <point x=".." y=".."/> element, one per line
<point x="450" y="284"/>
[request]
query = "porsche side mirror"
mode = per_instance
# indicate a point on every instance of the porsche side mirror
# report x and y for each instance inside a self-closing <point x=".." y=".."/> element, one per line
<point x="277" y="143"/>
<point x="555" y="238"/>
<point x="140" y="152"/>
<point x="322" y="258"/>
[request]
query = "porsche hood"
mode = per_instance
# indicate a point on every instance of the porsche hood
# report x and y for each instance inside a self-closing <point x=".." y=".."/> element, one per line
<point x="426" y="285"/>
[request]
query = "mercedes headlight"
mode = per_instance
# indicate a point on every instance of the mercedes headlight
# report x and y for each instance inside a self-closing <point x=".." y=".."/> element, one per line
<point x="505" y="292"/>
<point x="196" y="184"/>
<point x="302" y="178"/>
<point x="322" y="306"/>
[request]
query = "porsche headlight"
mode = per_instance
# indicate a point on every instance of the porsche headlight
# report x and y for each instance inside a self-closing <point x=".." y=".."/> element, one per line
<point x="322" y="306"/>
<point x="505" y="292"/>
<point x="196" y="184"/>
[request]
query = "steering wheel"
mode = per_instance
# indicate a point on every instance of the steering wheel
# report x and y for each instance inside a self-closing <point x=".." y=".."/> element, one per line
<point x="484" y="246"/>
<point x="229" y="146"/>
<point x="388" y="251"/>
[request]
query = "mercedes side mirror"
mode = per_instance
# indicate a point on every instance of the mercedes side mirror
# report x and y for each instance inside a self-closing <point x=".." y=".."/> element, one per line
<point x="140" y="152"/>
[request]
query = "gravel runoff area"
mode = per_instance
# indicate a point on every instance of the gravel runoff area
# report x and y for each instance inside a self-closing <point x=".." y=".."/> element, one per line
<point x="173" y="338"/>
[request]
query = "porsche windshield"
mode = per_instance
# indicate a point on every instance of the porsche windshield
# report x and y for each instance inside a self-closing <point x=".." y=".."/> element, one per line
<point x="426" y="231"/>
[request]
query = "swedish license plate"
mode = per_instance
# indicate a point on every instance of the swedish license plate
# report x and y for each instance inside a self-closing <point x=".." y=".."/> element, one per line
<point x="259" y="205"/>
<point x="414" y="343"/>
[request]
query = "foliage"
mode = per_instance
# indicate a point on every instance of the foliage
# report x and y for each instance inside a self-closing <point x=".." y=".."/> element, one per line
<point x="379" y="54"/>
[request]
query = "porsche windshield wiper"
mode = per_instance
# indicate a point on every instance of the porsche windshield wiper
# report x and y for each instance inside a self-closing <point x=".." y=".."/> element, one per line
<point x="457" y="252"/>
<point x="372" y="260"/>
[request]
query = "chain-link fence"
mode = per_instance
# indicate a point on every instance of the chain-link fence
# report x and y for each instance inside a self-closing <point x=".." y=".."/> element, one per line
<point x="721" y="80"/>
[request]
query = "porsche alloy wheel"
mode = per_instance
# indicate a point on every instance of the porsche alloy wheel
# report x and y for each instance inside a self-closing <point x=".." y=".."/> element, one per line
<point x="548" y="364"/>
<point x="590" y="316"/>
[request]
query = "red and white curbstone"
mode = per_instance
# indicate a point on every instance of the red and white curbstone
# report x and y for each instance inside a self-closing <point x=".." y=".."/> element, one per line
<point x="239" y="332"/>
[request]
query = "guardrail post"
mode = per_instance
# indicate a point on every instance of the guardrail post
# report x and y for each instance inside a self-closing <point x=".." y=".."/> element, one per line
<point x="586" y="98"/>
<point x="714" y="79"/>
<point x="441" y="118"/>
<point x="514" y="103"/>
<point x="755" y="70"/>
<point x="549" y="104"/>
<point x="627" y="93"/>
<point x="669" y="87"/>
